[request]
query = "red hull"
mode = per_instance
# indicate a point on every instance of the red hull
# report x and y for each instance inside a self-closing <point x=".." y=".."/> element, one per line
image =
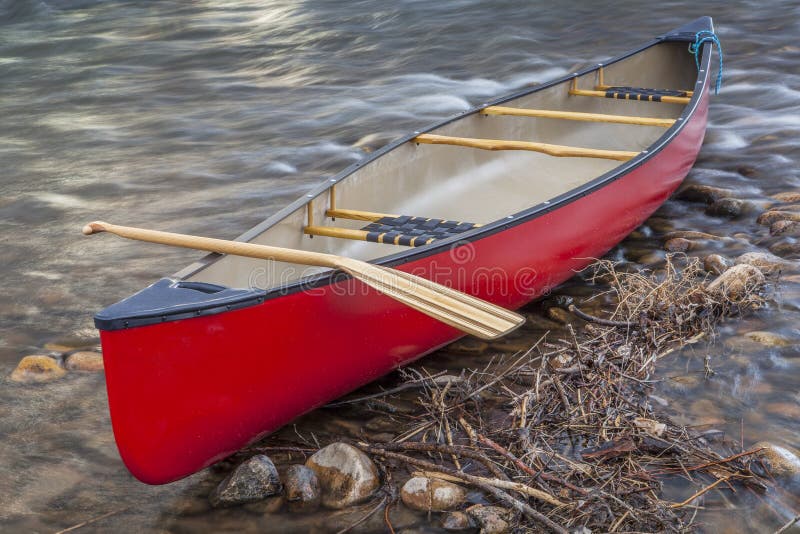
<point x="187" y="393"/>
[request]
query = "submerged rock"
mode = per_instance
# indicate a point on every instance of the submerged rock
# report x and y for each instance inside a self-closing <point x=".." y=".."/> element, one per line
<point x="789" y="228"/>
<point x="560" y="315"/>
<point x="768" y="339"/>
<point x="765" y="262"/>
<point x="678" y="244"/>
<point x="253" y="480"/>
<point x="491" y="519"/>
<point x="346" y="475"/>
<point x="302" y="488"/>
<point x="691" y="234"/>
<point x="716" y="264"/>
<point x="787" y="196"/>
<point x="728" y="207"/>
<point x="457" y="521"/>
<point x="85" y="361"/>
<point x="703" y="193"/>
<point x="785" y="248"/>
<point x="432" y="494"/>
<point x="781" y="461"/>
<point x="37" y="368"/>
<point x="736" y="281"/>
<point x="468" y="345"/>
<point x="769" y="217"/>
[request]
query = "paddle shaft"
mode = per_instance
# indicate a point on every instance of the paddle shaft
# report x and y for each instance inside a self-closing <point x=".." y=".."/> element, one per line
<point x="209" y="244"/>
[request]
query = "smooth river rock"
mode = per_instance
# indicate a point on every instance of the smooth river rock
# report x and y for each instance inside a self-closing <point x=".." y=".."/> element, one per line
<point x="728" y="207"/>
<point x="678" y="244"/>
<point x="85" y="361"/>
<point x="716" y="264"/>
<point x="346" y="475"/>
<point x="769" y="339"/>
<point x="432" y="494"/>
<point x="788" y="228"/>
<point x="301" y="487"/>
<point x="37" y="368"/>
<point x="491" y="519"/>
<point x="787" y="196"/>
<point x="765" y="262"/>
<point x="735" y="282"/>
<point x="782" y="462"/>
<point x="772" y="216"/>
<point x="703" y="193"/>
<point x="454" y="521"/>
<point x="253" y="480"/>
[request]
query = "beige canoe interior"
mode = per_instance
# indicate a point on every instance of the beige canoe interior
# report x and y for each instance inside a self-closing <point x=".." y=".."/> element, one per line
<point x="462" y="183"/>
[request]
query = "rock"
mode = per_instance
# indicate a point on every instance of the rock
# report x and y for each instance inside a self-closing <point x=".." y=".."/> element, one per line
<point x="491" y="519"/>
<point x="560" y="315"/>
<point x="716" y="264"/>
<point x="678" y="244"/>
<point x="787" y="196"/>
<point x="736" y="282"/>
<point x="432" y="494"/>
<point x="703" y="193"/>
<point x="782" y="462"/>
<point x="766" y="263"/>
<point x="85" y="361"/>
<point x="301" y="488"/>
<point x="650" y="426"/>
<point x="37" y="368"/>
<point x="346" y="475"/>
<point x="769" y="339"/>
<point x="789" y="410"/>
<point x="468" y="345"/>
<point x="785" y="249"/>
<point x="769" y="217"/>
<point x="253" y="480"/>
<point x="457" y="521"/>
<point x="789" y="228"/>
<point x="691" y="234"/>
<point x="749" y="172"/>
<point x="728" y="207"/>
<point x="270" y="505"/>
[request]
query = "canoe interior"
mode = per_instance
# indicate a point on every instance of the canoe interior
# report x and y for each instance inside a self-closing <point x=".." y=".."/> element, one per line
<point x="468" y="184"/>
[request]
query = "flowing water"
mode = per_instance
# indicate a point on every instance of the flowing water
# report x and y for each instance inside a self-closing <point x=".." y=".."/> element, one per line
<point x="206" y="117"/>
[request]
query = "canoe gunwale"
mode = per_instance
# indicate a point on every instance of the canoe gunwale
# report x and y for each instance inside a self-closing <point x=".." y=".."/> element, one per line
<point x="105" y="322"/>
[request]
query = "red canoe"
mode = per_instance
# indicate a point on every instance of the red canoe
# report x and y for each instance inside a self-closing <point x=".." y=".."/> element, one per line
<point x="503" y="202"/>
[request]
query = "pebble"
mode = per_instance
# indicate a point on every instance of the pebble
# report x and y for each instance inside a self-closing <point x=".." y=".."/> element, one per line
<point x="650" y="426"/>
<point x="559" y="314"/>
<point x="691" y="234"/>
<point x="716" y="264"/>
<point x="728" y="207"/>
<point x="791" y="228"/>
<point x="37" y="368"/>
<point x="769" y="339"/>
<point x="785" y="248"/>
<point x="85" y="361"/>
<point x="346" y="475"/>
<point x="678" y="244"/>
<point x="491" y="519"/>
<point x="457" y="521"/>
<point x="703" y="193"/>
<point x="301" y="488"/>
<point x="769" y="217"/>
<point x="787" y="196"/>
<point x="736" y="281"/>
<point x="782" y="461"/>
<point x="765" y="262"/>
<point x="253" y="480"/>
<point x="432" y="494"/>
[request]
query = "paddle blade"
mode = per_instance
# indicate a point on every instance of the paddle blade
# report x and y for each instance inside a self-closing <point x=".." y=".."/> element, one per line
<point x="467" y="313"/>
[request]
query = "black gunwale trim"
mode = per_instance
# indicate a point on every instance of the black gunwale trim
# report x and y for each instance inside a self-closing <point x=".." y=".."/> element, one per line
<point x="413" y="254"/>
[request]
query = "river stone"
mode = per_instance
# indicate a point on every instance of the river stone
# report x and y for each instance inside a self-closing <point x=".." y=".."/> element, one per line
<point x="785" y="248"/>
<point x="37" y="368"/>
<point x="468" y="345"/>
<point x="768" y="339"/>
<point x="787" y="196"/>
<point x="789" y="228"/>
<point x="253" y="480"/>
<point x="560" y="315"/>
<point x="772" y="216"/>
<point x="85" y="361"/>
<point x="727" y="207"/>
<point x="301" y="487"/>
<point x="678" y="244"/>
<point x="432" y="494"/>
<point x="703" y="193"/>
<point x="736" y="281"/>
<point x="716" y="264"/>
<point x="491" y="519"/>
<point x="789" y="410"/>
<point x="457" y="521"/>
<point x="765" y="262"/>
<point x="346" y="475"/>
<point x="692" y="234"/>
<point x="782" y="462"/>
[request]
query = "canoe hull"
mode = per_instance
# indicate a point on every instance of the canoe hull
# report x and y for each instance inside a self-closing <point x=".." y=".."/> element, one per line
<point x="184" y="394"/>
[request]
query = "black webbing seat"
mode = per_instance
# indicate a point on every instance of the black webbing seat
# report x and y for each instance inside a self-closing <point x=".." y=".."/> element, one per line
<point x="640" y="93"/>
<point x="413" y="231"/>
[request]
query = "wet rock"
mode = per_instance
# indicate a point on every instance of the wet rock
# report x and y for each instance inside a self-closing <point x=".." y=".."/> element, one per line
<point x="787" y="196"/>
<point x="691" y="234"/>
<point x="301" y="488"/>
<point x="788" y="228"/>
<point x="432" y="494"/>
<point x="468" y="345"/>
<point x="650" y="426"/>
<point x="728" y="207"/>
<point x="85" y="361"/>
<point x="37" y="368"/>
<point x="703" y="193"/>
<point x="457" y="521"/>
<point x="772" y="216"/>
<point x="785" y="249"/>
<point x="736" y="281"/>
<point x="253" y="480"/>
<point x="540" y="322"/>
<point x="491" y="519"/>
<point x="706" y="412"/>
<point x="270" y="505"/>
<point x="346" y="475"/>
<point x="678" y="244"/>
<point x="560" y="315"/>
<point x="769" y="339"/>
<point x="789" y="410"/>
<point x="716" y="264"/>
<point x="747" y="171"/>
<point x="765" y="262"/>
<point x="781" y="461"/>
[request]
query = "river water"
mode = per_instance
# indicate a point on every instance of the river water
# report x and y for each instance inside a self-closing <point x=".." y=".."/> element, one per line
<point x="206" y="117"/>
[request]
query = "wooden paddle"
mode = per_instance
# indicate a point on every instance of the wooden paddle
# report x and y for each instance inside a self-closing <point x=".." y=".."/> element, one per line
<point x="468" y="314"/>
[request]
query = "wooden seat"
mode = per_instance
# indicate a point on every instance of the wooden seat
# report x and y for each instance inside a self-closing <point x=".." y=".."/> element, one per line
<point x="669" y="96"/>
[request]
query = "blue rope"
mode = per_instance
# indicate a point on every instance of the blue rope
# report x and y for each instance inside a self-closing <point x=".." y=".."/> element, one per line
<point x="696" y="47"/>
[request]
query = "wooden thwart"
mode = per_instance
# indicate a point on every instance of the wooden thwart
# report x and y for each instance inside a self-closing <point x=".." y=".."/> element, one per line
<point x="573" y="90"/>
<point x="357" y="215"/>
<point x="577" y="116"/>
<point x="499" y="144"/>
